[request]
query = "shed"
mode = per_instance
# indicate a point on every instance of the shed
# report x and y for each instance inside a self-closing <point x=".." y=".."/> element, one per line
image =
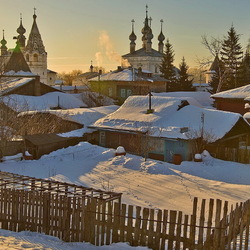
<point x="41" y="144"/>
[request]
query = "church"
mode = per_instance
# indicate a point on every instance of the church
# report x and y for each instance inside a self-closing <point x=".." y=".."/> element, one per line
<point x="146" y="57"/>
<point x="34" y="51"/>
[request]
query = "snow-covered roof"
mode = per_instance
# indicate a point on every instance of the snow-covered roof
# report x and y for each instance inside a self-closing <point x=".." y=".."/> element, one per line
<point x="70" y="88"/>
<point x="10" y="84"/>
<point x="123" y="75"/>
<point x="169" y="116"/>
<point x="128" y="74"/>
<point x="203" y="98"/>
<point x="50" y="100"/>
<point x="19" y="73"/>
<point x="238" y="93"/>
<point x="84" y="116"/>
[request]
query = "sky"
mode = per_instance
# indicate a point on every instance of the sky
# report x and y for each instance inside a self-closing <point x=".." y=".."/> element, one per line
<point x="77" y="32"/>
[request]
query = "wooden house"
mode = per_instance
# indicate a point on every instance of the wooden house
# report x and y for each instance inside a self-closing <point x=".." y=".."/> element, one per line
<point x="233" y="100"/>
<point x="172" y="130"/>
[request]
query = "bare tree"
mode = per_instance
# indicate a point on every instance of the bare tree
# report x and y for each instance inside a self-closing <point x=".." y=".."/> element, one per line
<point x="214" y="46"/>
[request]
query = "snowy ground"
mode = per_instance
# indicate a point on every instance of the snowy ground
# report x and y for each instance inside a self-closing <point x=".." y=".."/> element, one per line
<point x="151" y="184"/>
<point x="36" y="241"/>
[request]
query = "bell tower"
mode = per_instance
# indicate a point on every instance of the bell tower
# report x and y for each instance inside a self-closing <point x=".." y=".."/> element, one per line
<point x="35" y="53"/>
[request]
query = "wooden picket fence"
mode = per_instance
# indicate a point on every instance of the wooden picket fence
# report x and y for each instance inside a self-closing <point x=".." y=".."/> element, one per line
<point x="212" y="225"/>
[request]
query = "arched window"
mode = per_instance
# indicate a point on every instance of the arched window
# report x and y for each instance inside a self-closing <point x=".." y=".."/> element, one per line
<point x="35" y="56"/>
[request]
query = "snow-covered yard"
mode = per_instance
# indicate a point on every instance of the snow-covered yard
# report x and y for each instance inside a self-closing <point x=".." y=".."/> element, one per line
<point x="152" y="184"/>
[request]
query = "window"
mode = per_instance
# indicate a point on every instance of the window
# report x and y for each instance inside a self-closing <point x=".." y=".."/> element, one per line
<point x="102" y="138"/>
<point x="35" y="58"/>
<point x="129" y="92"/>
<point x="27" y="58"/>
<point x="123" y="93"/>
<point x="110" y="91"/>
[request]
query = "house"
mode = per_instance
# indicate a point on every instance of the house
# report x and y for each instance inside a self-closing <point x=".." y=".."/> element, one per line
<point x="123" y="82"/>
<point x="173" y="128"/>
<point x="51" y="77"/>
<point x="202" y="87"/>
<point x="83" y="79"/>
<point x="233" y="100"/>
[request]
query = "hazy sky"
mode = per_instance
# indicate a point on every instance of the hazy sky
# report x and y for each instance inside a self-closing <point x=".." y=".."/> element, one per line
<point x="75" y="32"/>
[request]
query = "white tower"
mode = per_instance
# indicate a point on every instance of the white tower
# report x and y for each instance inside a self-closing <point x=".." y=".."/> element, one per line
<point x="35" y="53"/>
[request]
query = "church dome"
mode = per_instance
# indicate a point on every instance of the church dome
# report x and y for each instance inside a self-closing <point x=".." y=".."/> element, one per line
<point x="3" y="42"/>
<point x="21" y="30"/>
<point x="132" y="36"/>
<point x="145" y="29"/>
<point x="161" y="37"/>
<point x="149" y="35"/>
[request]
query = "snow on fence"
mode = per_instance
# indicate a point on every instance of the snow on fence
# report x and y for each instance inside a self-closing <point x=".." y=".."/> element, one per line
<point x="102" y="222"/>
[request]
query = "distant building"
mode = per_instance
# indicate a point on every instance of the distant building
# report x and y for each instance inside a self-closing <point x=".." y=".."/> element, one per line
<point x="34" y="51"/>
<point x="146" y="57"/>
<point x="83" y="79"/>
<point x="122" y="83"/>
<point x="214" y="69"/>
<point x="202" y="87"/>
<point x="51" y="77"/>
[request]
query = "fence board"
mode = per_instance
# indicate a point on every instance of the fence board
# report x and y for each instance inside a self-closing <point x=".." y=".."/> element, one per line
<point x="209" y="235"/>
<point x="158" y="230"/>
<point x="116" y="223"/>
<point x="201" y="224"/>
<point x="144" y="238"/>
<point x="137" y="226"/>
<point x="164" y="229"/>
<point x="122" y="223"/>
<point x="151" y="228"/>
<point x="224" y="226"/>
<point x="173" y="215"/>
<point x="193" y="223"/>
<point x="217" y="231"/>
<point x="103" y="227"/>
<point x="109" y="224"/>
<point x="185" y="229"/>
<point x="129" y="237"/>
<point x="178" y="231"/>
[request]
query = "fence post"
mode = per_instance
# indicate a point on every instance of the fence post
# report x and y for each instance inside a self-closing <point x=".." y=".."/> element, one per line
<point x="115" y="236"/>
<point x="151" y="228"/>
<point x="143" y="238"/>
<point x="137" y="226"/>
<point x="217" y="231"/>
<point x="164" y="229"/>
<point x="224" y="226"/>
<point x="193" y="223"/>
<point x="129" y="237"/>
<point x="171" y="229"/>
<point x="201" y="224"/>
